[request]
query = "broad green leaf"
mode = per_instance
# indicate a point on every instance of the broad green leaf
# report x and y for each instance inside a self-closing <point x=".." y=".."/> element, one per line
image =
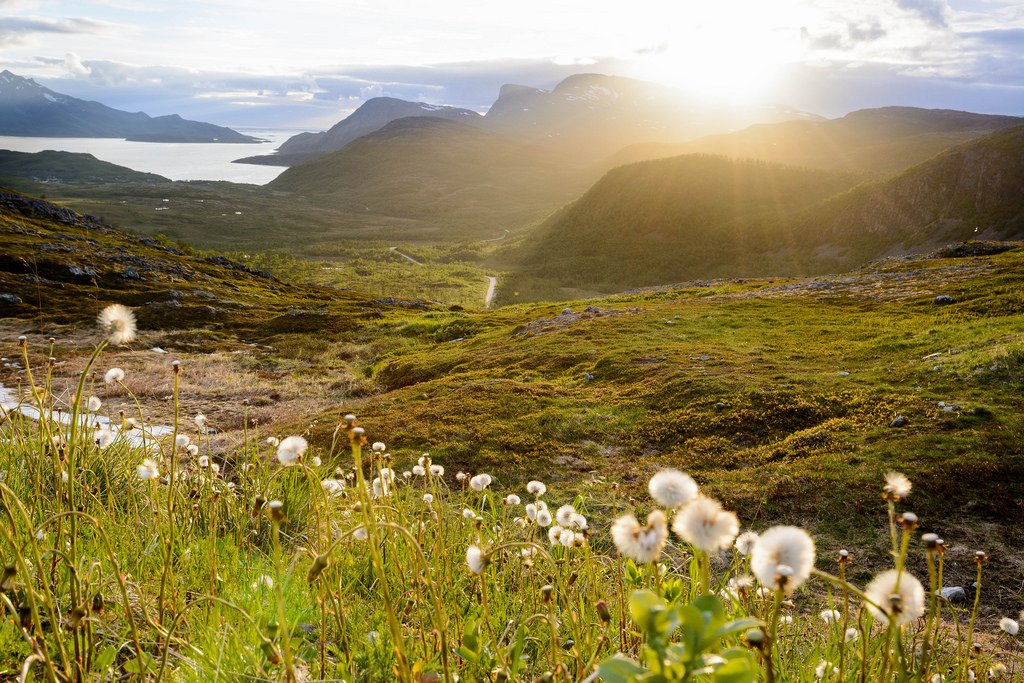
<point x="619" y="669"/>
<point x="739" y="667"/>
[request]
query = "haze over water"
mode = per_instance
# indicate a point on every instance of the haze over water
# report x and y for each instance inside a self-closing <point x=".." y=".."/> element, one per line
<point x="177" y="161"/>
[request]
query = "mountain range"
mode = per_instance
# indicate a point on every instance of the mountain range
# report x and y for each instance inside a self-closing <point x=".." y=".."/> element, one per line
<point x="698" y="216"/>
<point x="28" y="109"/>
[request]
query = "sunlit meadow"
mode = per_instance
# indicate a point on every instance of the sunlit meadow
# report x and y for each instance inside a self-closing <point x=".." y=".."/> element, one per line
<point x="132" y="551"/>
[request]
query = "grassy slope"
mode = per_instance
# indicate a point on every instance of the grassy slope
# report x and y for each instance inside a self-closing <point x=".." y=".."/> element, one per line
<point x="736" y="382"/>
<point x="69" y="166"/>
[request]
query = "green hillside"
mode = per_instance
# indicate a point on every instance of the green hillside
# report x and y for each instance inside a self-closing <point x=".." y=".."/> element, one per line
<point x="49" y="166"/>
<point x="689" y="217"/>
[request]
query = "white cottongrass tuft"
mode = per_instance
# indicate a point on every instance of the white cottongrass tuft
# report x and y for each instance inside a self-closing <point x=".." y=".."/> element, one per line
<point x="428" y="498"/>
<point x="705" y="525"/>
<point x="436" y="471"/>
<point x="745" y="542"/>
<point x="273" y="441"/>
<point x="475" y="559"/>
<point x="903" y="604"/>
<point x="480" y="482"/>
<point x="103" y="437"/>
<point x="512" y="499"/>
<point x="200" y="421"/>
<point x="851" y="635"/>
<point x="536" y="488"/>
<point x="897" y="485"/>
<point x="378" y="447"/>
<point x="564" y="515"/>
<point x="554" y="534"/>
<point x="786" y="548"/>
<point x="291" y="449"/>
<point x="543" y="517"/>
<point x="118" y="323"/>
<point x="672" y="488"/>
<point x="113" y="375"/>
<point x="204" y="461"/>
<point x="641" y="543"/>
<point x="1009" y="626"/>
<point x="192" y="449"/>
<point x="148" y="470"/>
<point x="419" y="471"/>
<point x="181" y="441"/>
<point x="531" y="511"/>
<point x="830" y="615"/>
<point x="468" y="514"/>
<point x="94" y="404"/>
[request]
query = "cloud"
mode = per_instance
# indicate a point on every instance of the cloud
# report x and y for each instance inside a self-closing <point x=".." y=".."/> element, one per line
<point x="73" y="63"/>
<point x="934" y="12"/>
<point x="16" y="30"/>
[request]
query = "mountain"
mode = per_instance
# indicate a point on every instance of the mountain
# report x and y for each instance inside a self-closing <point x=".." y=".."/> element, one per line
<point x="594" y="114"/>
<point x="28" y="109"/>
<point x="441" y="177"/>
<point x="69" y="167"/>
<point x="696" y="216"/>
<point x="373" y="115"/>
<point x="884" y="140"/>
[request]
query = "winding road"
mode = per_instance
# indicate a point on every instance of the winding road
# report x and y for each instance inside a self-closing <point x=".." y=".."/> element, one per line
<point x="406" y="256"/>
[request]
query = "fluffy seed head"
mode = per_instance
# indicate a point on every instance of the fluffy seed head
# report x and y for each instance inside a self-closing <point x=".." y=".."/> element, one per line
<point x="543" y="517"/>
<point x="114" y="375"/>
<point x="94" y="404"/>
<point x="903" y="603"/>
<point x="705" y="525"/>
<point x="200" y="421"/>
<point x="829" y="615"/>
<point x="1009" y="625"/>
<point x="480" y="482"/>
<point x="745" y="542"/>
<point x="475" y="559"/>
<point x="897" y="486"/>
<point x="419" y="471"/>
<point x="536" y="488"/>
<point x="512" y="499"/>
<point x="436" y="471"/>
<point x="783" y="552"/>
<point x="148" y="470"/>
<point x="672" y="488"/>
<point x="641" y="543"/>
<point x="291" y="449"/>
<point x="104" y="437"/>
<point x="118" y="323"/>
<point x="564" y="515"/>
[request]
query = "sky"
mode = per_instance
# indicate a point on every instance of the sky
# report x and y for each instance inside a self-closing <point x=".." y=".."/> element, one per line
<point x="308" y="63"/>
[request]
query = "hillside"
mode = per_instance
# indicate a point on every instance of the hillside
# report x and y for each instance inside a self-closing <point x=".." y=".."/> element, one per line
<point x="885" y="140"/>
<point x="445" y="178"/>
<point x="28" y="109"/>
<point x="370" y="117"/>
<point x="51" y="166"/>
<point x="695" y="217"/>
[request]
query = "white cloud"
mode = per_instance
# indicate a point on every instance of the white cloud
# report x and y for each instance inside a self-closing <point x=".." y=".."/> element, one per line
<point x="74" y="66"/>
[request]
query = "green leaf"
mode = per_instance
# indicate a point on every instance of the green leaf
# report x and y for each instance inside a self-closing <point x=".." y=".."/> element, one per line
<point x="104" y="659"/>
<point x="739" y="667"/>
<point x="619" y="669"/>
<point x="732" y="628"/>
<point x="515" y="652"/>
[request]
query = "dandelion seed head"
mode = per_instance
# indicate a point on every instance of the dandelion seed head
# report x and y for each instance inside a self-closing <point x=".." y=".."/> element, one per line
<point x="1009" y="626"/>
<point x="118" y="323"/>
<point x="113" y="375"/>
<point x="564" y="515"/>
<point x="103" y="437"/>
<point x="531" y="511"/>
<point x="192" y="449"/>
<point x="436" y="471"/>
<point x="512" y="499"/>
<point x="543" y="517"/>
<point x="745" y="542"/>
<point x="181" y="441"/>
<point x="851" y="635"/>
<point x="897" y="486"/>
<point x="419" y="471"/>
<point x="480" y="482"/>
<point x="904" y="603"/>
<point x="536" y="488"/>
<point x="94" y="404"/>
<point x="641" y="543"/>
<point x="705" y="525"/>
<point x="829" y="615"/>
<point x="475" y="559"/>
<point x="672" y="488"/>
<point x="779" y="548"/>
<point x="291" y="449"/>
<point x="554" y="534"/>
<point x="148" y="470"/>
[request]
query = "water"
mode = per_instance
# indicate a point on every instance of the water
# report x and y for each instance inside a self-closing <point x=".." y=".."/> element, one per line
<point x="174" y="160"/>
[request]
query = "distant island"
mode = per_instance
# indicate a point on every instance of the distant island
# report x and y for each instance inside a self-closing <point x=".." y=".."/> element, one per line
<point x="28" y="109"/>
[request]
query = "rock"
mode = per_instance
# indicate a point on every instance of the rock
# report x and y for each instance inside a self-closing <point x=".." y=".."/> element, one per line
<point x="587" y="377"/>
<point x="900" y="421"/>
<point x="592" y="309"/>
<point x="953" y="593"/>
<point x="130" y="273"/>
<point x="157" y="349"/>
<point x="78" y="271"/>
<point x="944" y="300"/>
<point x="844" y="373"/>
<point x="12" y="299"/>
<point x="566" y="311"/>
<point x="719" y="406"/>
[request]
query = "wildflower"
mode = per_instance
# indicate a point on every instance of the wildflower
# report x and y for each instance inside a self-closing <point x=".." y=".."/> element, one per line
<point x="543" y="517"/>
<point x="118" y="323"/>
<point x="460" y="477"/>
<point x="1009" y="625"/>
<point x="387" y="475"/>
<point x="672" y="488"/>
<point x="215" y="468"/>
<point x="360" y="534"/>
<point x="830" y="615"/>
<point x="745" y="542"/>
<point x="851" y="635"/>
<point x="436" y="471"/>
<point x="428" y="498"/>
<point x="564" y="515"/>
<point x="94" y="404"/>
<point x="531" y="511"/>
<point x="512" y="499"/>
<point x="291" y="449"/>
<point x="192" y="449"/>
<point x="423" y="460"/>
<point x="536" y="488"/>
<point x="579" y="521"/>
<point x="380" y="487"/>
<point x="480" y="482"/>
<point x="997" y="670"/>
<point x="786" y="548"/>
<point x="825" y="669"/>
<point x="786" y="618"/>
<point x="554" y="534"/>
<point x="333" y="487"/>
<point x="897" y="486"/>
<point x="903" y="603"/>
<point x="475" y="559"/>
<point x="113" y="375"/>
<point x="273" y="441"/>
<point x="378" y="447"/>
<point x="468" y="514"/>
<point x="705" y="525"/>
<point x="200" y="421"/>
<point x="641" y="543"/>
<point x="103" y="437"/>
<point x="131" y="423"/>
<point x="181" y="441"/>
<point x="204" y="461"/>
<point x="148" y="470"/>
<point x="316" y="461"/>
<point x="419" y="471"/>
